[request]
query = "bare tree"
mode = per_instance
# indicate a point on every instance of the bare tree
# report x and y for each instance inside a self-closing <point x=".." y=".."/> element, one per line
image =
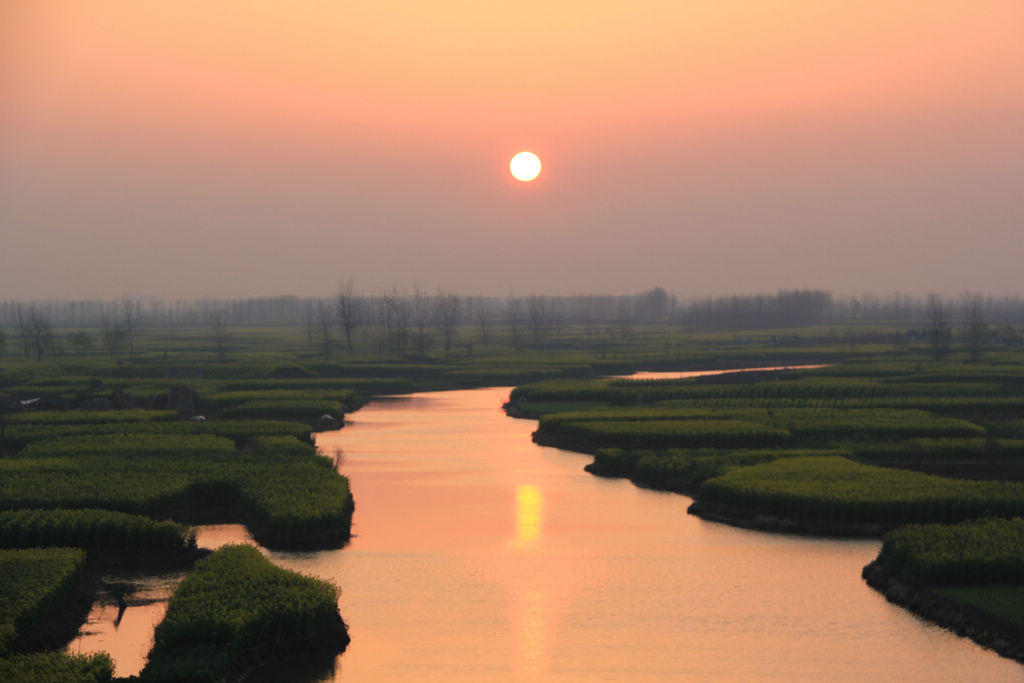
<point x="36" y="333"/>
<point x="587" y="315"/>
<point x="624" y="319"/>
<point x="421" y="315"/>
<point x="23" y="331"/>
<point x="347" y="306"/>
<point x="131" y="311"/>
<point x="219" y="333"/>
<point x="515" y="320"/>
<point x="307" y="318"/>
<point x="976" y="331"/>
<point x="448" y="309"/>
<point x="113" y="336"/>
<point x="939" y="333"/>
<point x="395" y="319"/>
<point x="483" y="318"/>
<point x="324" y="322"/>
<point x="537" y="316"/>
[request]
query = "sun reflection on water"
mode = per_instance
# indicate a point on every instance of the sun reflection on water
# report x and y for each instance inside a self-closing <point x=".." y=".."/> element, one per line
<point x="529" y="515"/>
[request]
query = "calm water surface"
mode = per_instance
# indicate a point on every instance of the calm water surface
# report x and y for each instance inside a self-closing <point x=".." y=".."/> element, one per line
<point x="479" y="555"/>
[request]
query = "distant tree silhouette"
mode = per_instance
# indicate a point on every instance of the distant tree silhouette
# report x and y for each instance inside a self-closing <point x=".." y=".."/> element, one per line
<point x="219" y="333"/>
<point x="976" y="330"/>
<point x="939" y="334"/>
<point x="447" y="310"/>
<point x="325" y="321"/>
<point x="515" y="321"/>
<point x="36" y="333"/>
<point x="421" y="315"/>
<point x="131" y="311"/>
<point x="80" y="341"/>
<point x="348" y="309"/>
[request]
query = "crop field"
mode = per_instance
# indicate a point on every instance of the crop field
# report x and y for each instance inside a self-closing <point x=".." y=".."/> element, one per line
<point x="694" y="433"/>
<point x="99" y="531"/>
<point x="130" y="445"/>
<point x="979" y="552"/>
<point x="838" y="490"/>
<point x="35" y="581"/>
<point x="236" y="603"/>
<point x="226" y="399"/>
<point x="238" y="431"/>
<point x="287" y="500"/>
<point x="684" y="470"/>
<point x="43" y="667"/>
<point x="44" y="418"/>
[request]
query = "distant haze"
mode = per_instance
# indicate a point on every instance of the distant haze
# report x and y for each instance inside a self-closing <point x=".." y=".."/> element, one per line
<point x="213" y="148"/>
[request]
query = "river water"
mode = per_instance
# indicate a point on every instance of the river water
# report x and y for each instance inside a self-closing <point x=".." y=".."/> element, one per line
<point x="479" y="555"/>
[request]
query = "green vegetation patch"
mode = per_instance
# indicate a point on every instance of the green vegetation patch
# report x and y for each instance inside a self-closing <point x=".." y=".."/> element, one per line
<point x="227" y="399"/>
<point x="235" y="607"/>
<point x="983" y="551"/>
<point x="57" y="667"/>
<point x="545" y="408"/>
<point x="685" y="471"/>
<point x="287" y="446"/>
<point x="942" y="450"/>
<point x="68" y="417"/>
<point x="1001" y="601"/>
<point x="286" y="500"/>
<point x="657" y="412"/>
<point x="862" y="424"/>
<point x="592" y="390"/>
<point x="839" y="491"/>
<point x="184" y="445"/>
<point x="695" y="433"/>
<point x="238" y="431"/>
<point x="35" y="580"/>
<point x="307" y="410"/>
<point x="105" y="531"/>
<point x="362" y="385"/>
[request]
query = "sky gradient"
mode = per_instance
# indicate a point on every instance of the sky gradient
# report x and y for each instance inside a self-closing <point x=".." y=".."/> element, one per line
<point x="215" y="148"/>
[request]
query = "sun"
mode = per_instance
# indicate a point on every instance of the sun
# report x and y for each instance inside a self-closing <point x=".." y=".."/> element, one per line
<point x="525" y="166"/>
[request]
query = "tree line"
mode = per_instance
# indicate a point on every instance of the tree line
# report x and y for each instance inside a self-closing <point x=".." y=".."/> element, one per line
<point x="418" y="323"/>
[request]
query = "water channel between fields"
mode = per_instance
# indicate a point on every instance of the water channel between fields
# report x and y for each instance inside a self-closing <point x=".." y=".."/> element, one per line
<point x="479" y="555"/>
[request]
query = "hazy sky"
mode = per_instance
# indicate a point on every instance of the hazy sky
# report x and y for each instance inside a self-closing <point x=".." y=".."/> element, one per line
<point x="259" y="147"/>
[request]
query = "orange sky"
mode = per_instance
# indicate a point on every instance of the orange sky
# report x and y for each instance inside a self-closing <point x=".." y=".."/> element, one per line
<point x="706" y="147"/>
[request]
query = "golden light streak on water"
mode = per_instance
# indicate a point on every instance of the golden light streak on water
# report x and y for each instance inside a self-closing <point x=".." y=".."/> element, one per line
<point x="529" y="515"/>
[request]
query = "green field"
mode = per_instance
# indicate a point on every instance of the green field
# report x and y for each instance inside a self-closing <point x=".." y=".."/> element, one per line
<point x="236" y="606"/>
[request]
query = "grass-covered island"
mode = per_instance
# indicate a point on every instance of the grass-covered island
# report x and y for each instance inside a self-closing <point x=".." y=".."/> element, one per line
<point x="969" y="577"/>
<point x="236" y="611"/>
<point x="41" y="605"/>
<point x="859" y="448"/>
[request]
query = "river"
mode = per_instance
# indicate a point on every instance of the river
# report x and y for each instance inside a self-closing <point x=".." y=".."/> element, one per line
<point x="478" y="555"/>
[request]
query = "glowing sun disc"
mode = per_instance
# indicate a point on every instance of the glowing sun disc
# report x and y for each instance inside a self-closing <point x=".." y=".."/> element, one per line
<point x="524" y="166"/>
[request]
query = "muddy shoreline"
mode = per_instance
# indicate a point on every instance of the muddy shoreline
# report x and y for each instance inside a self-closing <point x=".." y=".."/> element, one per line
<point x="964" y="620"/>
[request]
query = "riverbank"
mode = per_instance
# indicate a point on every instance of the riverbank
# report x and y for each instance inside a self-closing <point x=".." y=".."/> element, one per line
<point x="964" y="620"/>
<point x="785" y="525"/>
<point x="606" y="467"/>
